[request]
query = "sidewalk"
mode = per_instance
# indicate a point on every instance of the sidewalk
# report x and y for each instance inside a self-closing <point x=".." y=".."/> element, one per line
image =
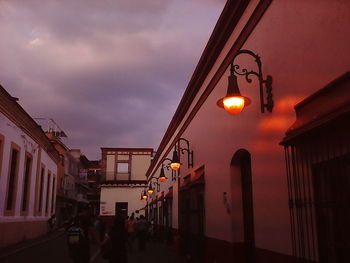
<point x="13" y="249"/>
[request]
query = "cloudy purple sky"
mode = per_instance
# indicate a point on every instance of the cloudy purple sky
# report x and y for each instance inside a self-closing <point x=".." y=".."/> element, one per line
<point x="109" y="72"/>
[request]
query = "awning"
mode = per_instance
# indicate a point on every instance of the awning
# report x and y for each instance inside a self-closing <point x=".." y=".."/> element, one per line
<point x="326" y="104"/>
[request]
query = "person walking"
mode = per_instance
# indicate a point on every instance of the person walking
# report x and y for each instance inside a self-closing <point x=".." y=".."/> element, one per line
<point x="78" y="242"/>
<point x="142" y="231"/>
<point x="78" y="237"/>
<point x="117" y="239"/>
<point x="131" y="227"/>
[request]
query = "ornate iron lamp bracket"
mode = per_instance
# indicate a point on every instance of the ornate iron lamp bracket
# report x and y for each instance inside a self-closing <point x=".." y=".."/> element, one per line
<point x="186" y="150"/>
<point x="236" y="69"/>
<point x="167" y="166"/>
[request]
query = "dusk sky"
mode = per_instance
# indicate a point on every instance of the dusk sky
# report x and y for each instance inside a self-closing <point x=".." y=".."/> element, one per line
<point x="110" y="72"/>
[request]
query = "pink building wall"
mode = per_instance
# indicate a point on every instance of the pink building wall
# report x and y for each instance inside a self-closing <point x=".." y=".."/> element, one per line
<point x="303" y="45"/>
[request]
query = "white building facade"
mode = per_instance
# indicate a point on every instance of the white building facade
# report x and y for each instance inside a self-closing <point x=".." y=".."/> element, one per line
<point x="123" y="180"/>
<point x="28" y="169"/>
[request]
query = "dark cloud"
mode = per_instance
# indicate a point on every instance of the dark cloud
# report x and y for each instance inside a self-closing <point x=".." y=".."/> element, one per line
<point x="110" y="73"/>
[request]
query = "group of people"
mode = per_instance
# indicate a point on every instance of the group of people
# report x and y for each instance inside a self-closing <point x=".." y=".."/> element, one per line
<point x="115" y="242"/>
<point x="137" y="229"/>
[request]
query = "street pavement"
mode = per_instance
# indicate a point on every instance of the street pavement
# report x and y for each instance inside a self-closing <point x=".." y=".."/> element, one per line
<point x="53" y="249"/>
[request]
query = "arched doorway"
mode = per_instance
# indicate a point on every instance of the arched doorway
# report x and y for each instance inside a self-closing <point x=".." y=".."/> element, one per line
<point x="242" y="200"/>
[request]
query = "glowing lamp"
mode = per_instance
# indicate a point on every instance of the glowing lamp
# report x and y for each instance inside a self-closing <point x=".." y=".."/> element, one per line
<point x="175" y="166"/>
<point x="162" y="177"/>
<point x="175" y="161"/>
<point x="233" y="102"/>
<point x="150" y="190"/>
<point x="144" y="196"/>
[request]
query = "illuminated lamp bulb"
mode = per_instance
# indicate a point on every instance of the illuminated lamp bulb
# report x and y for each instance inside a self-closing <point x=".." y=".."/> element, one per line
<point x="233" y="105"/>
<point x="175" y="161"/>
<point x="162" y="177"/>
<point x="150" y="191"/>
<point x="233" y="102"/>
<point x="175" y="166"/>
<point x="144" y="196"/>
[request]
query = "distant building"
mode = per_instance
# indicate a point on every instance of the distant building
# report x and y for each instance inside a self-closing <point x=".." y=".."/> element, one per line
<point x="28" y="174"/>
<point x="123" y="177"/>
<point x="94" y="180"/>
<point x="72" y="187"/>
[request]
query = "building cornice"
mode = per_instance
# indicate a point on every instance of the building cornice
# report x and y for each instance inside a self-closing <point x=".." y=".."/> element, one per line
<point x="129" y="183"/>
<point x="227" y="22"/>
<point x="14" y="112"/>
<point x="107" y="149"/>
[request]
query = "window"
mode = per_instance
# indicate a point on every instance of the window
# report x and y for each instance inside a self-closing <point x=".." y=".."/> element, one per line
<point x="123" y="168"/>
<point x="123" y="171"/>
<point x="41" y="188"/>
<point x="26" y="182"/>
<point x="12" y="180"/>
<point x="48" y="192"/>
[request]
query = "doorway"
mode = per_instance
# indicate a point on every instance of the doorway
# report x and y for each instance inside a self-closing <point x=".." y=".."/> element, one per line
<point x="121" y="209"/>
<point x="242" y="198"/>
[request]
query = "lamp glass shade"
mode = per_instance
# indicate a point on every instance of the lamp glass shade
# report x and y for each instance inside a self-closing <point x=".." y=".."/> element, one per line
<point x="234" y="105"/>
<point x="144" y="197"/>
<point x="150" y="191"/>
<point x="233" y="102"/>
<point x="162" y="178"/>
<point x="175" y="166"/>
<point x="175" y="161"/>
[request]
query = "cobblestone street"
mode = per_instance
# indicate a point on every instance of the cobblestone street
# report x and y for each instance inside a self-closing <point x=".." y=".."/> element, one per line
<point x="53" y="249"/>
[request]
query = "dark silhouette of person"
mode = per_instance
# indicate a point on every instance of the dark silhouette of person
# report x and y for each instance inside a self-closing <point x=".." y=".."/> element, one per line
<point x="78" y="242"/>
<point x="142" y="228"/>
<point x="118" y="236"/>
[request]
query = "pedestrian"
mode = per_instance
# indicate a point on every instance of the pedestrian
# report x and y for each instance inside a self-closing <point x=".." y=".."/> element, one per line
<point x="79" y="237"/>
<point x="151" y="230"/>
<point x="115" y="242"/>
<point x="131" y="227"/>
<point x="100" y="227"/>
<point x="142" y="229"/>
<point x="77" y="242"/>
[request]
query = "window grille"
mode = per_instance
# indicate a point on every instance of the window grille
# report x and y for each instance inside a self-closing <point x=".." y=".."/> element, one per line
<point x="318" y="175"/>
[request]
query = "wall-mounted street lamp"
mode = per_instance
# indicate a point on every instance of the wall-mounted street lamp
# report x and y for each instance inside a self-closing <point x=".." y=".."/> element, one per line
<point x="234" y="102"/>
<point x="175" y="161"/>
<point x="144" y="195"/>
<point x="150" y="189"/>
<point x="162" y="177"/>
